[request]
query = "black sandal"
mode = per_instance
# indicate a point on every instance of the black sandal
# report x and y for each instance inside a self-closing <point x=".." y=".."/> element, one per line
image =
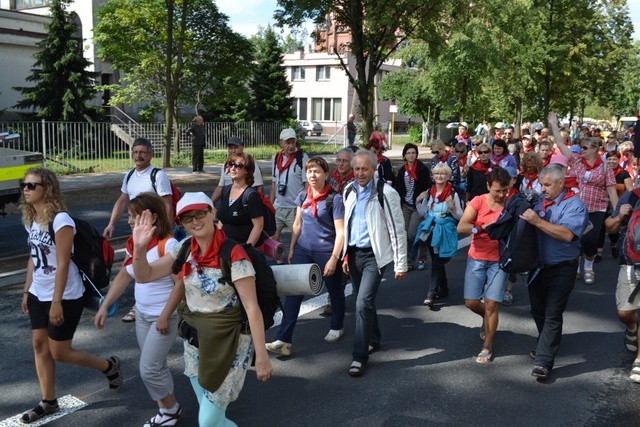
<point x="170" y="419"/>
<point x="356" y="369"/>
<point x="114" y="373"/>
<point x="41" y="410"/>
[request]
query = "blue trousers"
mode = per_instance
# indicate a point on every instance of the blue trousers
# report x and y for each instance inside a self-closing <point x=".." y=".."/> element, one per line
<point x="333" y="284"/>
<point x="549" y="293"/>
<point x="365" y="277"/>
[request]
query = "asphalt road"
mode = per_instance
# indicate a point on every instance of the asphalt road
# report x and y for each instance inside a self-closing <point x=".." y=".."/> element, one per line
<point x="425" y="373"/>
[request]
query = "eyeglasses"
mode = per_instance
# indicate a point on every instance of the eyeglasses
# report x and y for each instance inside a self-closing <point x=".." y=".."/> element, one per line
<point x="436" y="152"/>
<point x="186" y="219"/>
<point x="484" y="152"/>
<point x="139" y="153"/>
<point x="508" y="133"/>
<point x="584" y="148"/>
<point x="30" y="185"/>
<point x="235" y="165"/>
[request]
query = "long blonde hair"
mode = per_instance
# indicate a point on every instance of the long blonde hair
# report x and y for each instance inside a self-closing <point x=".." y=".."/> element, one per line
<point x="53" y="198"/>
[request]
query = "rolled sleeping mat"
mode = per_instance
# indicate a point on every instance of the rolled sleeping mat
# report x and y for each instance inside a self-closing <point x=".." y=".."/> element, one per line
<point x="273" y="249"/>
<point x="298" y="279"/>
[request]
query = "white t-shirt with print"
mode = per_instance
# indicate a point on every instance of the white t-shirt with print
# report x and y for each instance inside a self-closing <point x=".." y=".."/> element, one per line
<point x="45" y="263"/>
<point x="151" y="297"/>
<point x="141" y="182"/>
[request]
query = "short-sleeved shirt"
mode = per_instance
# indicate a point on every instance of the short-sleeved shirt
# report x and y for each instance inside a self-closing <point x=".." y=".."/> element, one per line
<point x="45" y="263"/>
<point x="319" y="233"/>
<point x="623" y="200"/>
<point x="482" y="248"/>
<point x="151" y="297"/>
<point x="235" y="218"/>
<point x="140" y="182"/>
<point x="225" y="178"/>
<point x="593" y="183"/>
<point x="570" y="213"/>
<point x="294" y="178"/>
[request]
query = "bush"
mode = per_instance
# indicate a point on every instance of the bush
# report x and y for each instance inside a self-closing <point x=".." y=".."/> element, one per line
<point x="415" y="134"/>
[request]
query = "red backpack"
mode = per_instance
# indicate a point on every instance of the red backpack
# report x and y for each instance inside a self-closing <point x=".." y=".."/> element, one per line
<point x="631" y="241"/>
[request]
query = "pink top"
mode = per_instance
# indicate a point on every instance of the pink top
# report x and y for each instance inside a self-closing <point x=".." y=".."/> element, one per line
<point x="593" y="183"/>
<point x="482" y="248"/>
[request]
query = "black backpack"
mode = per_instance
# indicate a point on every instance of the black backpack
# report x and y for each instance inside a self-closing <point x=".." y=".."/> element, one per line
<point x="92" y="254"/>
<point x="266" y="290"/>
<point x="268" y="211"/>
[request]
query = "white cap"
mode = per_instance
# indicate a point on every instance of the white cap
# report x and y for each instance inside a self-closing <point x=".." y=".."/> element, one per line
<point x="193" y="202"/>
<point x="499" y="125"/>
<point x="288" y="134"/>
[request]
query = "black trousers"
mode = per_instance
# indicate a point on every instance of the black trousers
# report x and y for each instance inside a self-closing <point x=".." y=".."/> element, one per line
<point x="197" y="157"/>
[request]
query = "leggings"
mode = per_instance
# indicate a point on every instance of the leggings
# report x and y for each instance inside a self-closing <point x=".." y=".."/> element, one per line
<point x="209" y="414"/>
<point x="590" y="240"/>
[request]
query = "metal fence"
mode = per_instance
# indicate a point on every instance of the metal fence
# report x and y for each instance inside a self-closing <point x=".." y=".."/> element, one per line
<point x="105" y="146"/>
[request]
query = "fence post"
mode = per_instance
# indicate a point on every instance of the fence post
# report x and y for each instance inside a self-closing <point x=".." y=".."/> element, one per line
<point x="44" y="144"/>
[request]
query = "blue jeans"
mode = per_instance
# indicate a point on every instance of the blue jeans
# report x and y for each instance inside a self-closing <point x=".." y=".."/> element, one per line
<point x="351" y="137"/>
<point x="366" y="277"/>
<point x="334" y="287"/>
<point x="484" y="279"/>
<point x="549" y="293"/>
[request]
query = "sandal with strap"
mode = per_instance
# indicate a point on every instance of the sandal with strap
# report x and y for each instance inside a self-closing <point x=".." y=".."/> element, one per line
<point x="485" y="356"/>
<point x="130" y="316"/>
<point x="589" y="277"/>
<point x="114" y="372"/>
<point x="167" y="419"/>
<point x="41" y="410"/>
<point x="356" y="369"/>
<point x="631" y="340"/>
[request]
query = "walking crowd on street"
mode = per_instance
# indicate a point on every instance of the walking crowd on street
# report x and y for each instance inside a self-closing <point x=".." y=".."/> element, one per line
<point x="538" y="204"/>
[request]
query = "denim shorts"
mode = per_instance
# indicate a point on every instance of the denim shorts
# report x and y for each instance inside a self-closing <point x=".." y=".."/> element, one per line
<point x="484" y="278"/>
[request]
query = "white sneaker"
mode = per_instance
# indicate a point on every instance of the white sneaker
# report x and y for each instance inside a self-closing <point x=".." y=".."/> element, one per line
<point x="280" y="347"/>
<point x="334" y="335"/>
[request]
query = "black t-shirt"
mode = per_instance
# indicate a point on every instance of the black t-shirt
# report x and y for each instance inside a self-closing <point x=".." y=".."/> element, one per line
<point x="236" y="218"/>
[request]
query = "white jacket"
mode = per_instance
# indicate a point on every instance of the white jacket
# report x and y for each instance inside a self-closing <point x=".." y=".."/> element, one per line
<point x="386" y="228"/>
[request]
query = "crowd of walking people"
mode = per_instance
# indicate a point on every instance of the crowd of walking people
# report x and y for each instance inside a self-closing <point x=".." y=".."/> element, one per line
<point x="355" y="219"/>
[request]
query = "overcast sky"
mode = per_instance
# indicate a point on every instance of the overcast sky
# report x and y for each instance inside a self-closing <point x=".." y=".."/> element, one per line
<point x="246" y="16"/>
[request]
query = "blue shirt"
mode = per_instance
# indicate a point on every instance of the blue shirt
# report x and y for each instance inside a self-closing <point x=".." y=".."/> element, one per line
<point x="358" y="231"/>
<point x="319" y="233"/>
<point x="570" y="213"/>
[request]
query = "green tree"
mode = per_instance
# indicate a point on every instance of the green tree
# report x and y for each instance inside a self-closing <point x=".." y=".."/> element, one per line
<point x="63" y="88"/>
<point x="377" y="28"/>
<point x="270" y="91"/>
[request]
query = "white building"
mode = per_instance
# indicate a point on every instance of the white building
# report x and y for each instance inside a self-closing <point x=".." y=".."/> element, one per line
<point x="322" y="91"/>
<point x="22" y="25"/>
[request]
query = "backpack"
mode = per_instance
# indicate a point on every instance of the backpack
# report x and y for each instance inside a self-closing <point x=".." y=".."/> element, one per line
<point x="266" y="290"/>
<point x="268" y="211"/>
<point x="92" y="254"/>
<point x="328" y="200"/>
<point x="631" y="240"/>
<point x="175" y="191"/>
<point x="379" y="189"/>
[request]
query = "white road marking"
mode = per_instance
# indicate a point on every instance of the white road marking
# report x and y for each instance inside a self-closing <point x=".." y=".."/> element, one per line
<point x="68" y="404"/>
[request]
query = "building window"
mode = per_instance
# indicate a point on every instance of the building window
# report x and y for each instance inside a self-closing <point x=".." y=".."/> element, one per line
<point x="323" y="72"/>
<point x="297" y="73"/>
<point x="326" y="109"/>
<point x="29" y="4"/>
<point x="300" y="108"/>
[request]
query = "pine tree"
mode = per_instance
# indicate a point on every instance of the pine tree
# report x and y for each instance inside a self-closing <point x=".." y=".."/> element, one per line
<point x="62" y="85"/>
<point x="270" y="90"/>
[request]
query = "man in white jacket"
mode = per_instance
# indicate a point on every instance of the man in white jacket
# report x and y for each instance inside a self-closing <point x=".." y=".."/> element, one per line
<point x="374" y="237"/>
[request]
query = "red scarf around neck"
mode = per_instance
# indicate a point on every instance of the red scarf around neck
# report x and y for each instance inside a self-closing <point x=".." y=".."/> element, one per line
<point x="531" y="177"/>
<point x="279" y="158"/>
<point x="411" y="170"/>
<point x="596" y="163"/>
<point x="545" y="162"/>
<point x="512" y="192"/>
<point x="444" y="157"/>
<point x="497" y="159"/>
<point x="481" y="167"/>
<point x="546" y="203"/>
<point x="211" y="256"/>
<point x="129" y="248"/>
<point x="340" y="180"/>
<point x="446" y="192"/>
<point x="462" y="161"/>
<point x="381" y="158"/>
<point x="617" y="170"/>
<point x="312" y="201"/>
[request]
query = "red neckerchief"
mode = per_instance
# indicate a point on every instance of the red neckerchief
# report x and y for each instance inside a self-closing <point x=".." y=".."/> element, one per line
<point x="481" y="167"/>
<point x="279" y="164"/>
<point x="571" y="182"/>
<point x="311" y="201"/>
<point x="512" y="192"/>
<point x="545" y="162"/>
<point x="529" y="148"/>
<point x="497" y="137"/>
<point x="531" y="177"/>
<point x="617" y="170"/>
<point x="497" y="159"/>
<point x="381" y="158"/>
<point x="340" y="180"/>
<point x="443" y="158"/>
<point x="463" y="137"/>
<point x="462" y="161"/>
<point x="411" y="170"/>
<point x="546" y="203"/>
<point x="595" y="164"/>
<point x="446" y="192"/>
<point x="211" y="256"/>
<point x="129" y="246"/>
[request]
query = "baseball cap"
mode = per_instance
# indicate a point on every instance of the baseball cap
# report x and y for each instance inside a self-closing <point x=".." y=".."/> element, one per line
<point x="559" y="159"/>
<point x="193" y="202"/>
<point x="499" y="125"/>
<point x="234" y="140"/>
<point x="287" y="134"/>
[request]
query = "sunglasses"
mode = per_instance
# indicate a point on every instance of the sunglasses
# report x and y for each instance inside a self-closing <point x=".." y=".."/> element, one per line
<point x="460" y="152"/>
<point x="584" y="148"/>
<point x="436" y="152"/>
<point x="186" y="219"/>
<point x="508" y="133"/>
<point x="30" y="185"/>
<point x="235" y="165"/>
<point x="484" y="152"/>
